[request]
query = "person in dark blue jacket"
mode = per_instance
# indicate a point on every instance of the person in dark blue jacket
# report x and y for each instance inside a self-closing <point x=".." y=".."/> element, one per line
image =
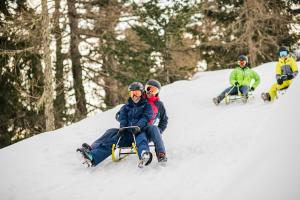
<point x="136" y="112"/>
<point x="159" y="119"/>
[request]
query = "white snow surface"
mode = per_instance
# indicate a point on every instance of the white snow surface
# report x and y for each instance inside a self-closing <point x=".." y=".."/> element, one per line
<point x="226" y="152"/>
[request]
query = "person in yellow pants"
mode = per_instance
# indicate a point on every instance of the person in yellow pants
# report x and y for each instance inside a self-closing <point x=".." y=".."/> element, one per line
<point x="286" y="71"/>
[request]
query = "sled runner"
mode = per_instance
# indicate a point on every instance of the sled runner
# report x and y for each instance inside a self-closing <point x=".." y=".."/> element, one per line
<point x="232" y="98"/>
<point x="118" y="153"/>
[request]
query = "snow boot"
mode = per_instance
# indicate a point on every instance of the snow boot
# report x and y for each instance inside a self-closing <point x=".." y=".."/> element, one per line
<point x="216" y="100"/>
<point x="87" y="158"/>
<point x="162" y="159"/>
<point x="86" y="146"/>
<point x="266" y="96"/>
<point x="245" y="99"/>
<point x="146" y="159"/>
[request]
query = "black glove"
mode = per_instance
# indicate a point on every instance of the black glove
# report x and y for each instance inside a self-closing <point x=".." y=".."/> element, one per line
<point x="117" y="115"/>
<point x="252" y="88"/>
<point x="135" y="130"/>
<point x="290" y="76"/>
<point x="236" y="83"/>
<point x="121" y="131"/>
<point x="160" y="131"/>
<point x="284" y="77"/>
<point x="279" y="81"/>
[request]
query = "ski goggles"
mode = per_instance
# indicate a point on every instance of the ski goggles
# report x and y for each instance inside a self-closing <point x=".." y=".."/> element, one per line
<point x="151" y="89"/>
<point x="283" y="53"/>
<point x="136" y="93"/>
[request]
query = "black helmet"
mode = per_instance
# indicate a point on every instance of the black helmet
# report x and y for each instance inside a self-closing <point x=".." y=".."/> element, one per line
<point x="244" y="58"/>
<point x="283" y="48"/>
<point x="136" y="86"/>
<point x="154" y="83"/>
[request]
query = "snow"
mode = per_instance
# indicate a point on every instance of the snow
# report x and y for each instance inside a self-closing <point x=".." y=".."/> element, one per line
<point x="226" y="152"/>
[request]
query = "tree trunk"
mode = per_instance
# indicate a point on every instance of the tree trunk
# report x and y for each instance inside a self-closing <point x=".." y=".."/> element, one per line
<point x="60" y="101"/>
<point x="48" y="89"/>
<point x="250" y="26"/>
<point x="81" y="110"/>
<point x="112" y="97"/>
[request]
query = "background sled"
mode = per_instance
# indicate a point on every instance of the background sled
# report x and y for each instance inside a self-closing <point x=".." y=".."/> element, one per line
<point x="232" y="98"/>
<point x="239" y="97"/>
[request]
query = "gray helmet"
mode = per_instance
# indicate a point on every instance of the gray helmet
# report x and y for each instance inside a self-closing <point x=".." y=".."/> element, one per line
<point x="154" y="83"/>
<point x="136" y="86"/>
<point x="244" y="58"/>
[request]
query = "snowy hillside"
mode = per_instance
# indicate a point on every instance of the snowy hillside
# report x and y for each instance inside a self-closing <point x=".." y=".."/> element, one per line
<point x="226" y="152"/>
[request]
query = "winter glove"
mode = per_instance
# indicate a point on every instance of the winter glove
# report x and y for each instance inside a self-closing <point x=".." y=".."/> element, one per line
<point x="279" y="81"/>
<point x="135" y="130"/>
<point x="160" y="131"/>
<point x="252" y="88"/>
<point x="284" y="77"/>
<point x="121" y="131"/>
<point x="290" y="76"/>
<point x="117" y="115"/>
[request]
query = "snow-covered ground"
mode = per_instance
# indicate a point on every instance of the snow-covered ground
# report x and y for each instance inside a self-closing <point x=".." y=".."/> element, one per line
<point x="226" y="152"/>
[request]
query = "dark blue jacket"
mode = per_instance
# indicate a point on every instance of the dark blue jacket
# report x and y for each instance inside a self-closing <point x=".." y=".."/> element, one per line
<point x="162" y="115"/>
<point x="135" y="114"/>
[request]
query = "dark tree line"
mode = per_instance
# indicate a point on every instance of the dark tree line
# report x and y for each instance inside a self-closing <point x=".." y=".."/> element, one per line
<point x="63" y="61"/>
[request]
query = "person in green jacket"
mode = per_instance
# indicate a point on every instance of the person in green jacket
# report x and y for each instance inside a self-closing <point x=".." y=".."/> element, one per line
<point x="241" y="81"/>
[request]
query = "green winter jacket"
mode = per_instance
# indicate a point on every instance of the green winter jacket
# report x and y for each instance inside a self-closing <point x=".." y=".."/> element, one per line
<point x="244" y="76"/>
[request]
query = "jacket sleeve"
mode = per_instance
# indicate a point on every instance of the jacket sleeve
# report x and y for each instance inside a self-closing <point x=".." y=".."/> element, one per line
<point x="146" y="117"/>
<point x="118" y="113"/>
<point x="122" y="118"/>
<point x="278" y="69"/>
<point x="163" y="123"/>
<point x="256" y="77"/>
<point x="233" y="77"/>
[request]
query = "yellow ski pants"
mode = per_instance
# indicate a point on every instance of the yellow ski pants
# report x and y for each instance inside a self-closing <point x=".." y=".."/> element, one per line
<point x="275" y="87"/>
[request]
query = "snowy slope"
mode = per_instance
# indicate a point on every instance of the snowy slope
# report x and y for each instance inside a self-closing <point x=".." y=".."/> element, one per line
<point x="229" y="152"/>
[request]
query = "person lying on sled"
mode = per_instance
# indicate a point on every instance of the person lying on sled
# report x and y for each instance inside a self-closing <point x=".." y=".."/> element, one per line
<point x="240" y="80"/>
<point x="136" y="112"/>
<point x="286" y="71"/>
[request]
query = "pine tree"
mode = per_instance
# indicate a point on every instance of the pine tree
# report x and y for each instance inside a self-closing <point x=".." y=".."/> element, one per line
<point x="21" y="80"/>
<point x="81" y="110"/>
<point x="254" y="28"/>
<point x="159" y="36"/>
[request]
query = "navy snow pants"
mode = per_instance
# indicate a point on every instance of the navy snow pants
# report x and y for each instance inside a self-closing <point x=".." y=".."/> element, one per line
<point x="101" y="148"/>
<point x="153" y="134"/>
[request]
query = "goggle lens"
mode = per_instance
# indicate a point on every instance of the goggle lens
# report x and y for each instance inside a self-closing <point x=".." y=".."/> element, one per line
<point x="151" y="89"/>
<point x="283" y="53"/>
<point x="133" y="93"/>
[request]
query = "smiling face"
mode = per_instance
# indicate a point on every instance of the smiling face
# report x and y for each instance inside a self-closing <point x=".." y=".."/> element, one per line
<point x="136" y="99"/>
<point x="151" y="91"/>
<point x="149" y="95"/>
<point x="242" y="63"/>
